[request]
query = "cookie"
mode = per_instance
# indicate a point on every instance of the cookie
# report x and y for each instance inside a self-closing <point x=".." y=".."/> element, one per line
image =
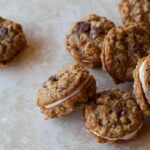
<point x="85" y="40"/>
<point x="12" y="40"/>
<point x="142" y="84"/>
<point x="135" y="11"/>
<point x="65" y="91"/>
<point x="113" y="116"/>
<point x="123" y="47"/>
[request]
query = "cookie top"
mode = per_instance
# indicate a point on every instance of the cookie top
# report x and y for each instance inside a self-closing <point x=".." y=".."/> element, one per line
<point x="135" y="10"/>
<point x="12" y="39"/>
<point x="113" y="115"/>
<point x="62" y="84"/>
<point x="85" y="40"/>
<point x="123" y="47"/>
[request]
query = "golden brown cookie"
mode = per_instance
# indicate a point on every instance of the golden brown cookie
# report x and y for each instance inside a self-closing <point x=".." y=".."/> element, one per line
<point x="12" y="40"/>
<point x="123" y="47"/>
<point x="85" y="40"/>
<point x="142" y="84"/>
<point x="113" y="117"/>
<point x="65" y="91"/>
<point x="135" y="10"/>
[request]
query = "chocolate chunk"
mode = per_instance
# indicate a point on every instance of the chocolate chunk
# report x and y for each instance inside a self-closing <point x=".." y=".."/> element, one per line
<point x="53" y="78"/>
<point x="82" y="27"/>
<point x="96" y="31"/>
<point x="133" y="47"/>
<point x="136" y="48"/>
<point x="44" y="86"/>
<point x="119" y="111"/>
<point x="3" y="32"/>
<point x="110" y="111"/>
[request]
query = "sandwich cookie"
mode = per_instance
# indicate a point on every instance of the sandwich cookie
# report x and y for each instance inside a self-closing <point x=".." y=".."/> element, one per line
<point x="12" y="40"/>
<point x="142" y="84"/>
<point x="65" y="91"/>
<point x="123" y="47"/>
<point x="113" y="117"/>
<point x="85" y="39"/>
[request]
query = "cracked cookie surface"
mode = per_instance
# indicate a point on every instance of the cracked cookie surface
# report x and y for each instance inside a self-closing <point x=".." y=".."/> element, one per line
<point x="85" y="40"/>
<point x="113" y="116"/>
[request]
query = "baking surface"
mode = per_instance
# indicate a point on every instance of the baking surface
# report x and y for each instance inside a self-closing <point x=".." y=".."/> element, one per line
<point x="45" y="23"/>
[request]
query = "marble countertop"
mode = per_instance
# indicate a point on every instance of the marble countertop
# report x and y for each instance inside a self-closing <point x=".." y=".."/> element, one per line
<point x="45" y="23"/>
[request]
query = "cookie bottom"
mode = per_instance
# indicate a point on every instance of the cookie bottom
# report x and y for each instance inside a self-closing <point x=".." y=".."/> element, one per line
<point x="125" y="138"/>
<point x="87" y="63"/>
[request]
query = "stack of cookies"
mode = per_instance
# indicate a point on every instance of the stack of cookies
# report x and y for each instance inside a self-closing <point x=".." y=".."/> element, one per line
<point x="123" y="52"/>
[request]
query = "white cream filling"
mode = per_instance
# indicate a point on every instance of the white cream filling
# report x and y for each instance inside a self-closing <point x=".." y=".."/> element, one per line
<point x="141" y="75"/>
<point x="126" y="137"/>
<point x="70" y="95"/>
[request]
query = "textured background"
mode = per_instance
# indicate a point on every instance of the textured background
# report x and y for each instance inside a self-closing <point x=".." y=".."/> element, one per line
<point x="45" y="23"/>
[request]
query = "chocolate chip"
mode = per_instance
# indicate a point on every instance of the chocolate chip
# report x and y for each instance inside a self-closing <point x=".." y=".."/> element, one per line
<point x="139" y="30"/>
<point x="53" y="78"/>
<point x="133" y="47"/>
<point x="96" y="31"/>
<point x="137" y="48"/>
<point x="44" y="86"/>
<point x="119" y="111"/>
<point x="110" y="111"/>
<point x="100" y="122"/>
<point x="82" y="27"/>
<point x="3" y="32"/>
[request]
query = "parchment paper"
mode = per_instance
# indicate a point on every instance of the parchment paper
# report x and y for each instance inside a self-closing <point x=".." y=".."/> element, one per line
<point x="45" y="23"/>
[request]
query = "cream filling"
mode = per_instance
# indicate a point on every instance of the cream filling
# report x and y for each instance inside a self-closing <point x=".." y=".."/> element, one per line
<point x="141" y="75"/>
<point x="126" y="137"/>
<point x="75" y="92"/>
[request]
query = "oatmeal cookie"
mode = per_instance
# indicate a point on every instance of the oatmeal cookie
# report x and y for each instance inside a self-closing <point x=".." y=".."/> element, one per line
<point x="12" y="40"/>
<point x="142" y="84"/>
<point x="65" y="91"/>
<point x="113" y="116"/>
<point x="123" y="47"/>
<point x="135" y="11"/>
<point x="85" y="40"/>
